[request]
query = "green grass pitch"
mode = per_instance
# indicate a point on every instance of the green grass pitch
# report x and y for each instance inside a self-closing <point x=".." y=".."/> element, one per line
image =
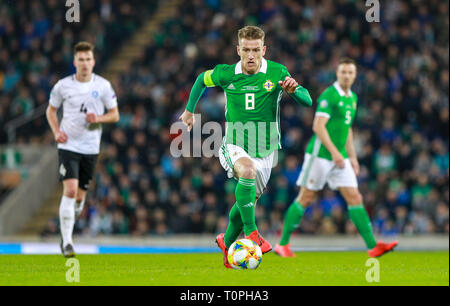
<point x="308" y="268"/>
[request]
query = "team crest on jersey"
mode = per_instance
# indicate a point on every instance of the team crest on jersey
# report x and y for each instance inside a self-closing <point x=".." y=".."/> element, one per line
<point x="95" y="94"/>
<point x="268" y="85"/>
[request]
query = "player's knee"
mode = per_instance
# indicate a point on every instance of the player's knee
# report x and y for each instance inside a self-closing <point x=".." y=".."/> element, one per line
<point x="358" y="198"/>
<point x="70" y="193"/>
<point x="354" y="198"/>
<point x="247" y="170"/>
<point x="305" y="199"/>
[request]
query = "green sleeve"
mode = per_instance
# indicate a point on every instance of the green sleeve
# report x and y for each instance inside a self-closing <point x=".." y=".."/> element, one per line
<point x="301" y="95"/>
<point x="196" y="92"/>
<point x="212" y="77"/>
<point x="325" y="105"/>
<point x="220" y="76"/>
<point x="209" y="78"/>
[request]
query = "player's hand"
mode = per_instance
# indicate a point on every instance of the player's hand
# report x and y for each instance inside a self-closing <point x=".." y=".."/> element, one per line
<point x="61" y="137"/>
<point x="338" y="160"/>
<point x="91" y="118"/>
<point x="188" y="119"/>
<point x="289" y="84"/>
<point x="355" y="165"/>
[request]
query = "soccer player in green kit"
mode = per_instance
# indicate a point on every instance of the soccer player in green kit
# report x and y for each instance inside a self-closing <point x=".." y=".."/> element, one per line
<point x="330" y="158"/>
<point x="253" y="89"/>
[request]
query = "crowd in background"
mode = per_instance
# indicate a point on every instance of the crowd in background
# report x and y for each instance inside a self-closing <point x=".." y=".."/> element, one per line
<point x="401" y="126"/>
<point x="36" y="49"/>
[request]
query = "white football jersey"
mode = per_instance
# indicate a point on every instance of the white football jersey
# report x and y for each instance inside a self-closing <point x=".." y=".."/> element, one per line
<point x="78" y="99"/>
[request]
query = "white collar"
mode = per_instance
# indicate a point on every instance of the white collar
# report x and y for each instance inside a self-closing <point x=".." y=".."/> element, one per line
<point x="262" y="69"/>
<point x="74" y="77"/>
<point x="341" y="91"/>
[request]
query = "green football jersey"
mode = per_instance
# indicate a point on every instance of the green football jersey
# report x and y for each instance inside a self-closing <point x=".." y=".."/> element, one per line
<point x="341" y="110"/>
<point x="252" y="105"/>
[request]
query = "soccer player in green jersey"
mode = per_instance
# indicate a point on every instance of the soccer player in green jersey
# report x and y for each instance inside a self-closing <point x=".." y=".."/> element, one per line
<point x="330" y="158"/>
<point x="253" y="89"/>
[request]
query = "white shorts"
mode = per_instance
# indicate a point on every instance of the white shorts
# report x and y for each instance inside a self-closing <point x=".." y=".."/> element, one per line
<point x="229" y="154"/>
<point x="316" y="172"/>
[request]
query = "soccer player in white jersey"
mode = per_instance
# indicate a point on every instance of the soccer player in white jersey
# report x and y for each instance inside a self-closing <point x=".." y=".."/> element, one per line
<point x="84" y="97"/>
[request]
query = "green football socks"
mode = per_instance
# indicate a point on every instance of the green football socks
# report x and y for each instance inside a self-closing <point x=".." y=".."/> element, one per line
<point x="362" y="223"/>
<point x="235" y="226"/>
<point x="291" y="221"/>
<point x="245" y="199"/>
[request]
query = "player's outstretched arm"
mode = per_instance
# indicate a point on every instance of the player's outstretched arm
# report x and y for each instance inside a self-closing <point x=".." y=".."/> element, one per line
<point x="111" y="116"/>
<point x="196" y="92"/>
<point x="301" y="95"/>
<point x="296" y="91"/>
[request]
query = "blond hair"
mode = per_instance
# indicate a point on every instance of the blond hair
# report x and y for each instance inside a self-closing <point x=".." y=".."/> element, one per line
<point x="251" y="32"/>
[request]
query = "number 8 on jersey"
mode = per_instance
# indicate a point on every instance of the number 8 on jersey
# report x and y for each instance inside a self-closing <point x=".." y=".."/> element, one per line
<point x="249" y="101"/>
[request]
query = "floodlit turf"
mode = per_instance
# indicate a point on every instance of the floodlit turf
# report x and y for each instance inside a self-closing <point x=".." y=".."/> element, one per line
<point x="309" y="268"/>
